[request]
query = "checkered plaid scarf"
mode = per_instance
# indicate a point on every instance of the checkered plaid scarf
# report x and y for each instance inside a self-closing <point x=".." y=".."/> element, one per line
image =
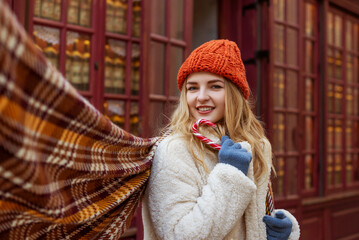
<point x="65" y="170"/>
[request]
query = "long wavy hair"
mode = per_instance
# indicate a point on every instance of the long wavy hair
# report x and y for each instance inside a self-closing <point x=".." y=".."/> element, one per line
<point x="239" y="123"/>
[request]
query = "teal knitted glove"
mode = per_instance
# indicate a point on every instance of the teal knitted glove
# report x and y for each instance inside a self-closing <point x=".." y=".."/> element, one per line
<point x="278" y="227"/>
<point x="233" y="154"/>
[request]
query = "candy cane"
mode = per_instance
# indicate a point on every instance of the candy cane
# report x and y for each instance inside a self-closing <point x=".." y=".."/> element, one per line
<point x="269" y="197"/>
<point x="203" y="138"/>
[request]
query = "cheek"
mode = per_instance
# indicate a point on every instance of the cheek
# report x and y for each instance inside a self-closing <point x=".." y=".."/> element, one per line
<point x="190" y="99"/>
<point x="221" y="103"/>
<point x="220" y="99"/>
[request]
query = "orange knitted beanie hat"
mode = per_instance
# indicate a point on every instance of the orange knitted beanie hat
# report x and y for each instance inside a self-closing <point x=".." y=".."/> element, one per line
<point x="221" y="57"/>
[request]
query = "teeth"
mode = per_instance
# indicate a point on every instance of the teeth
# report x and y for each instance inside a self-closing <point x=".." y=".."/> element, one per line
<point x="205" y="108"/>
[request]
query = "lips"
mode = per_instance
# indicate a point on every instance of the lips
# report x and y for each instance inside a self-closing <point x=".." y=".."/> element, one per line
<point x="204" y="110"/>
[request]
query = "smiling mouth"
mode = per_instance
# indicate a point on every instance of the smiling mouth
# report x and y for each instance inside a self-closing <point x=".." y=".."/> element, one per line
<point x="205" y="109"/>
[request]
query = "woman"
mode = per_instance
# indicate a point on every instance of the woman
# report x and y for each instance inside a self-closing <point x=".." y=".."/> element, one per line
<point x="195" y="192"/>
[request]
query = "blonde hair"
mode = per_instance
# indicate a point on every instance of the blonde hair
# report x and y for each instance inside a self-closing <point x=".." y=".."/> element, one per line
<point x="239" y="123"/>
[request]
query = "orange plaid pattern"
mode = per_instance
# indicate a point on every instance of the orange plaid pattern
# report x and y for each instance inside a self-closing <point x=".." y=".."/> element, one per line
<point x="65" y="170"/>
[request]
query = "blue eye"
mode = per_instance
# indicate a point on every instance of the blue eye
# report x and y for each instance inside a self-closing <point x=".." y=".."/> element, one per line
<point x="217" y="86"/>
<point x="191" y="88"/>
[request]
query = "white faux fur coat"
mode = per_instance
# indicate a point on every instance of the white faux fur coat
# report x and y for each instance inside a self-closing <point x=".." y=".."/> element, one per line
<point x="182" y="202"/>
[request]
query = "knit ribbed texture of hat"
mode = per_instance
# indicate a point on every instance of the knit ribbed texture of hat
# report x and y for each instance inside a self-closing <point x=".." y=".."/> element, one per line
<point x="221" y="57"/>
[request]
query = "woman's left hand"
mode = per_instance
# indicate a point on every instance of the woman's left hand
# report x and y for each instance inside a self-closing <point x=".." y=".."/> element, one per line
<point x="278" y="227"/>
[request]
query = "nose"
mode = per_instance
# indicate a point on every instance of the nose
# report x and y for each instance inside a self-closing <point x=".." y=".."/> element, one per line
<point x="203" y="95"/>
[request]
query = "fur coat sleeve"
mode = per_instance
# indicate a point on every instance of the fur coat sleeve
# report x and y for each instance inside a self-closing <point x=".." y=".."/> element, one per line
<point x="184" y="204"/>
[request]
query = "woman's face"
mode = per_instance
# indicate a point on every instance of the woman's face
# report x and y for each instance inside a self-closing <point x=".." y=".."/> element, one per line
<point x="205" y="96"/>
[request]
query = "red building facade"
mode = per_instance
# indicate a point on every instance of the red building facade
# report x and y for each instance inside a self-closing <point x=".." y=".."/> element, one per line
<point x="302" y="62"/>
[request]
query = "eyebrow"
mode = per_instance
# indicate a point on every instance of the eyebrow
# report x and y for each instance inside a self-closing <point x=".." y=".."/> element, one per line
<point x="210" y="81"/>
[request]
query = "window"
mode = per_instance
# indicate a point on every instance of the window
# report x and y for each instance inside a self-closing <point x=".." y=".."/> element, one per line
<point x="66" y="39"/>
<point x="296" y="96"/>
<point x="286" y="98"/>
<point x="168" y="44"/>
<point x="122" y="63"/>
<point x="342" y="83"/>
<point x="69" y="34"/>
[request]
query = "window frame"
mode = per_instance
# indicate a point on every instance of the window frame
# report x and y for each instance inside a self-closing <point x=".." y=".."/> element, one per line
<point x="63" y="27"/>
<point x="272" y="110"/>
<point x="166" y="98"/>
<point x="127" y="37"/>
<point x="343" y="186"/>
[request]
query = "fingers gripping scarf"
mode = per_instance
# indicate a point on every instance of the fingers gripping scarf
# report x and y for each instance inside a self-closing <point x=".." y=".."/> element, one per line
<point x="65" y="170"/>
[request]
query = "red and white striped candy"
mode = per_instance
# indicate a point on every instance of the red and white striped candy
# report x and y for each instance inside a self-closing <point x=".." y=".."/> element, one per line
<point x="203" y="138"/>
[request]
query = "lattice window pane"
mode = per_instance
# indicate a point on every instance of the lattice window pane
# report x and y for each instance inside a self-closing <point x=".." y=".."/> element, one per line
<point x="338" y="65"/>
<point x="308" y="172"/>
<point x="279" y="129"/>
<point x="177" y="19"/>
<point x="48" y="40"/>
<point x="338" y="98"/>
<point x="176" y="59"/>
<point x="350" y="70"/>
<point x="79" y="12"/>
<point x="115" y="66"/>
<point x="48" y="9"/>
<point x="115" y="111"/>
<point x="309" y="133"/>
<point x="292" y="89"/>
<point x="309" y="95"/>
<point x="292" y="175"/>
<point x="309" y="19"/>
<point x="278" y="85"/>
<point x="116" y="16"/>
<point x="278" y="183"/>
<point x="157" y="119"/>
<point x="292" y="47"/>
<point x="309" y="56"/>
<point x="157" y="68"/>
<point x="338" y="134"/>
<point x="292" y="131"/>
<point x="279" y="44"/>
<point x="136" y="18"/>
<point x="279" y="10"/>
<point x="158" y="19"/>
<point x="134" y="118"/>
<point x="78" y="59"/>
<point x="135" y="69"/>
<point x="349" y="102"/>
<point x="338" y="32"/>
<point x="338" y="169"/>
<point x="292" y="11"/>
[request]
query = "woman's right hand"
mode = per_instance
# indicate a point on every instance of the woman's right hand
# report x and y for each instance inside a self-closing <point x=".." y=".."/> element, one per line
<point x="233" y="154"/>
